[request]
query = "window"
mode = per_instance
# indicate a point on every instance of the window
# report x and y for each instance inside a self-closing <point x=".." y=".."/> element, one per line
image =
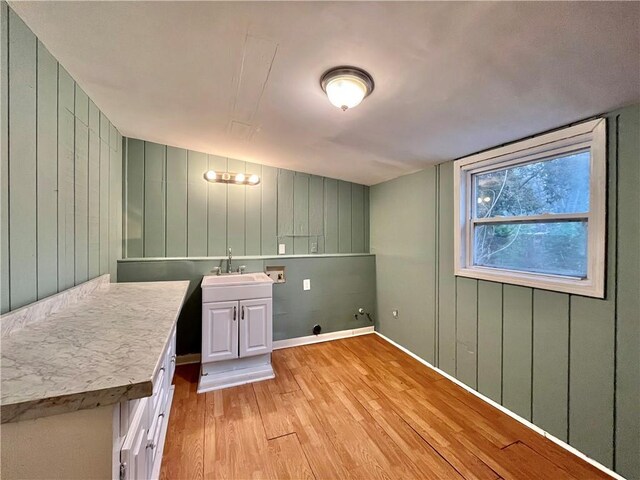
<point x="533" y="213"/>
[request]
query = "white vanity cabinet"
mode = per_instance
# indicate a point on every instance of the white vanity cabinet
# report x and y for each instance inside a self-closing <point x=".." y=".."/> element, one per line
<point x="237" y="330"/>
<point x="143" y="423"/>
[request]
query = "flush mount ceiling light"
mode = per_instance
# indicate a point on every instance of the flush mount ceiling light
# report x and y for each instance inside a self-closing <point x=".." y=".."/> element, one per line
<point x="346" y="87"/>
<point x="228" y="177"/>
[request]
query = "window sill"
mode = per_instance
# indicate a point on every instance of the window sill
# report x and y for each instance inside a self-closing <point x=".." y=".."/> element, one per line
<point x="554" y="283"/>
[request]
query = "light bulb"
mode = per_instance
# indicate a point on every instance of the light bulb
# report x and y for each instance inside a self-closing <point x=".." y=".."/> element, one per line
<point x="253" y="179"/>
<point x="210" y="175"/>
<point x="226" y="176"/>
<point x="346" y="91"/>
<point x="239" y="177"/>
<point x="487" y="199"/>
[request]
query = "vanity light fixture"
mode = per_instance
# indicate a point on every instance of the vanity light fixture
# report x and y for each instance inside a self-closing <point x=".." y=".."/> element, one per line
<point x="228" y="177"/>
<point x="346" y="87"/>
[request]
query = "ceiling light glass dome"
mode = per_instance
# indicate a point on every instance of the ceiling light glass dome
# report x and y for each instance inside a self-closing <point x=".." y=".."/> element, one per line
<point x="346" y="87"/>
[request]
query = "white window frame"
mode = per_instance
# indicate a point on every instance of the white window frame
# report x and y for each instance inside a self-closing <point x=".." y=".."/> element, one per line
<point x="590" y="136"/>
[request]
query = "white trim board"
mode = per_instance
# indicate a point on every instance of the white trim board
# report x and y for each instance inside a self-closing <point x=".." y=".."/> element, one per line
<point x="323" y="337"/>
<point x="291" y="342"/>
<point x="524" y="421"/>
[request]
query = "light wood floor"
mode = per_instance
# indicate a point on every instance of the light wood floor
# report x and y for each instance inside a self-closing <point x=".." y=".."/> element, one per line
<point x="357" y="408"/>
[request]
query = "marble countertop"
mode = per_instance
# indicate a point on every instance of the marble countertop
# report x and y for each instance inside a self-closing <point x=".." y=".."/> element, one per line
<point x="101" y="350"/>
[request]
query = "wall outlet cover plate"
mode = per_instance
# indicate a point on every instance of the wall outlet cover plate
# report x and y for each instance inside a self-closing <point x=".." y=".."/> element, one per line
<point x="282" y="248"/>
<point x="306" y="284"/>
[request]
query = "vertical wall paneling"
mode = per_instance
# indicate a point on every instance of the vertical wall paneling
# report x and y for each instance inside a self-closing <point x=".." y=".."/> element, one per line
<point x="550" y="361"/>
<point x="253" y="213"/>
<point x="627" y="428"/>
<point x="316" y="214"/>
<point x="592" y="345"/>
<point x="171" y="212"/>
<point x="344" y="217"/>
<point x="357" y="218"/>
<point x="285" y="209"/>
<point x="47" y="173"/>
<point x="516" y="347"/>
<point x="104" y="204"/>
<point x="94" y="190"/>
<point x="330" y="215"/>
<point x="115" y="201"/>
<point x="301" y="214"/>
<point x="197" y="164"/>
<point x="135" y="193"/>
<point x="591" y="377"/>
<point x="81" y="181"/>
<point x="22" y="163"/>
<point x="269" y="210"/>
<point x="446" y="280"/>
<point x="51" y="174"/>
<point x="367" y="232"/>
<point x="66" y="184"/>
<point x="4" y="160"/>
<point x="466" y="330"/>
<point x="490" y="340"/>
<point x="236" y="211"/>
<point x="154" y="200"/>
<point x="176" y="202"/>
<point x="217" y="211"/>
<point x="568" y="363"/>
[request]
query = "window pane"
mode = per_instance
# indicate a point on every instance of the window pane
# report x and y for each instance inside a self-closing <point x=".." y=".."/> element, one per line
<point x="557" y="248"/>
<point x="559" y="185"/>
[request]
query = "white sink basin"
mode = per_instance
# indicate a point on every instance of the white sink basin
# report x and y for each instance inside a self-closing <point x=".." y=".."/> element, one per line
<point x="234" y="286"/>
<point x="235" y="279"/>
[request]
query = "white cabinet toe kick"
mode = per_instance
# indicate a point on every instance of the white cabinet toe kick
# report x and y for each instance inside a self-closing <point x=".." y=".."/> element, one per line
<point x="237" y="332"/>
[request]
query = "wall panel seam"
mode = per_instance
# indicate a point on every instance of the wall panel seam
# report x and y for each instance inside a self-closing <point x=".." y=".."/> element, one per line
<point x="8" y="259"/>
<point x="569" y="372"/>
<point x="615" y="300"/>
<point x="36" y="176"/>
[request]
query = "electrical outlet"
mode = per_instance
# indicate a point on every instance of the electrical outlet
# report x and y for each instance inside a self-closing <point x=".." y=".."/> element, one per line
<point x="282" y="248"/>
<point x="314" y="247"/>
<point x="394" y="313"/>
<point x="306" y="284"/>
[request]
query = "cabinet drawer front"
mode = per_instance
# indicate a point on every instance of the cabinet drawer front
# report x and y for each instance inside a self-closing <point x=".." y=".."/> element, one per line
<point x="219" y="331"/>
<point x="255" y="327"/>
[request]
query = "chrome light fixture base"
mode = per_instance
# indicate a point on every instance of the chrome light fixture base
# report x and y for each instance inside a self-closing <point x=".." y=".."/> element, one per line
<point x="231" y="178"/>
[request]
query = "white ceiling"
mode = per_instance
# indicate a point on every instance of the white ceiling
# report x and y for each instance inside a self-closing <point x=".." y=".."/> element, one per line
<point x="241" y="79"/>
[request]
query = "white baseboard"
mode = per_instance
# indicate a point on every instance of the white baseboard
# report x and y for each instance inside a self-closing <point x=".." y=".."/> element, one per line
<point x="291" y="342"/>
<point x="323" y="337"/>
<point x="515" y="416"/>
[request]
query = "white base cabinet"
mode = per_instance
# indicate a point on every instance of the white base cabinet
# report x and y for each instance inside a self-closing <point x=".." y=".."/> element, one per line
<point x="237" y="335"/>
<point x="124" y="441"/>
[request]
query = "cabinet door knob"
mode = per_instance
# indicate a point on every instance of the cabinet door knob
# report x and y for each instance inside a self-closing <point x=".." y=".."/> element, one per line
<point x="234" y="314"/>
<point x="242" y="313"/>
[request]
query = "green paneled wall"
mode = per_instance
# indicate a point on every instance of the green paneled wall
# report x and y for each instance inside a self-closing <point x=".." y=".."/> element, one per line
<point x="339" y="286"/>
<point x="171" y="211"/>
<point x="569" y="364"/>
<point x="61" y="170"/>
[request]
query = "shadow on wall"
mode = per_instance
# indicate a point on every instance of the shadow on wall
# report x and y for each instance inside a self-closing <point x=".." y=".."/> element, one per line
<point x="339" y="286"/>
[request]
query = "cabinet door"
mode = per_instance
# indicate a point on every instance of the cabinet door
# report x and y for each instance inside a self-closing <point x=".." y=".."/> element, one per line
<point x="255" y="327"/>
<point x="219" y="331"/>
<point x="133" y="456"/>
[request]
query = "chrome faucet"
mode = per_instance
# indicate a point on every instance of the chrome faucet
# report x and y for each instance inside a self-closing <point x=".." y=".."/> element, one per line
<point x="229" y="270"/>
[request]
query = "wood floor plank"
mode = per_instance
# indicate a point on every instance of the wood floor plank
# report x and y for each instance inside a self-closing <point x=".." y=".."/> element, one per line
<point x="356" y="408"/>
<point x="287" y="459"/>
